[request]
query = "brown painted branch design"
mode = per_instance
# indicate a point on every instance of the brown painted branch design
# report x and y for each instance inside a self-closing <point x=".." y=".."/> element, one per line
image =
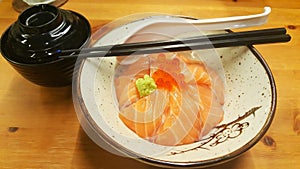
<point x="223" y="133"/>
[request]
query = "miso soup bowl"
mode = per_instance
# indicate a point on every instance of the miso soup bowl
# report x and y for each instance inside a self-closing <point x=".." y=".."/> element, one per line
<point x="250" y="100"/>
<point x="29" y="43"/>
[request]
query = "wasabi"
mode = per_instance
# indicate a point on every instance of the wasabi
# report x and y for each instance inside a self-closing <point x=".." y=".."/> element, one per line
<point x="145" y="85"/>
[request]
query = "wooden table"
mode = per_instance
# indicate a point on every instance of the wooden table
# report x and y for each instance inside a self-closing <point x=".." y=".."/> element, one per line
<point x="39" y="127"/>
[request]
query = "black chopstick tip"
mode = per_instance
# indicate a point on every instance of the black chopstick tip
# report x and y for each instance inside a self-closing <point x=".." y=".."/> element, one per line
<point x="289" y="37"/>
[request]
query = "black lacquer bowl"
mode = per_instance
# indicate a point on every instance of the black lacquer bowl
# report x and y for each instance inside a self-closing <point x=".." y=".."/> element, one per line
<point x="39" y="31"/>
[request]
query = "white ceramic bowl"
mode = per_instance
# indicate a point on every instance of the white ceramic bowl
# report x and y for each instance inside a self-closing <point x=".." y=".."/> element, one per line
<point x="250" y="101"/>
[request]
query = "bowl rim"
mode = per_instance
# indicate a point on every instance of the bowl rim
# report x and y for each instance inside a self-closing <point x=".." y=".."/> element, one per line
<point x="164" y="163"/>
<point x="5" y="34"/>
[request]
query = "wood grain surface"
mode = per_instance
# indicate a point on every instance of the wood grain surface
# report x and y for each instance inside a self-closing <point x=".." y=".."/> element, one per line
<point x="39" y="127"/>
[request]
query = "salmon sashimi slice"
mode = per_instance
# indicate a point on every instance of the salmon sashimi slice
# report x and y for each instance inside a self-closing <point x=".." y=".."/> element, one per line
<point x="211" y="89"/>
<point x="208" y="117"/>
<point x="125" y="91"/>
<point x="147" y="108"/>
<point x="181" y="118"/>
<point x="144" y="116"/>
<point x="199" y="73"/>
<point x="215" y="113"/>
<point x="218" y="86"/>
<point x="194" y="133"/>
<point x="143" y="130"/>
<point x="172" y="111"/>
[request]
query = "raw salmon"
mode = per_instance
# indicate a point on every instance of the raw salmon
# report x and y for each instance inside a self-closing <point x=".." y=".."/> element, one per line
<point x="126" y="91"/>
<point x="187" y="104"/>
<point x="145" y="115"/>
<point x="179" y="120"/>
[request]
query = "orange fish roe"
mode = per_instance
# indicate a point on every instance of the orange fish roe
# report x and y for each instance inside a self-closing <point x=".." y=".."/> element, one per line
<point x="163" y="80"/>
<point x="168" y="74"/>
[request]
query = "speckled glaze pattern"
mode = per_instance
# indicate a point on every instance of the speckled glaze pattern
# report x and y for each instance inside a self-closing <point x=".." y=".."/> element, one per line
<point x="249" y="108"/>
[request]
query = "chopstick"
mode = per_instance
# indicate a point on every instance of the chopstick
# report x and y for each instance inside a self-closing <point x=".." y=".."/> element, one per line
<point x="230" y="39"/>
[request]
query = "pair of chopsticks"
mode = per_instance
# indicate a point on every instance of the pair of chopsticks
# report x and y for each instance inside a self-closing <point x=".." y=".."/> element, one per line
<point x="245" y="38"/>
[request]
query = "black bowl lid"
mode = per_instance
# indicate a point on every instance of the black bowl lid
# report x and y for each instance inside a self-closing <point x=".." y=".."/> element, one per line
<point x="40" y="31"/>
